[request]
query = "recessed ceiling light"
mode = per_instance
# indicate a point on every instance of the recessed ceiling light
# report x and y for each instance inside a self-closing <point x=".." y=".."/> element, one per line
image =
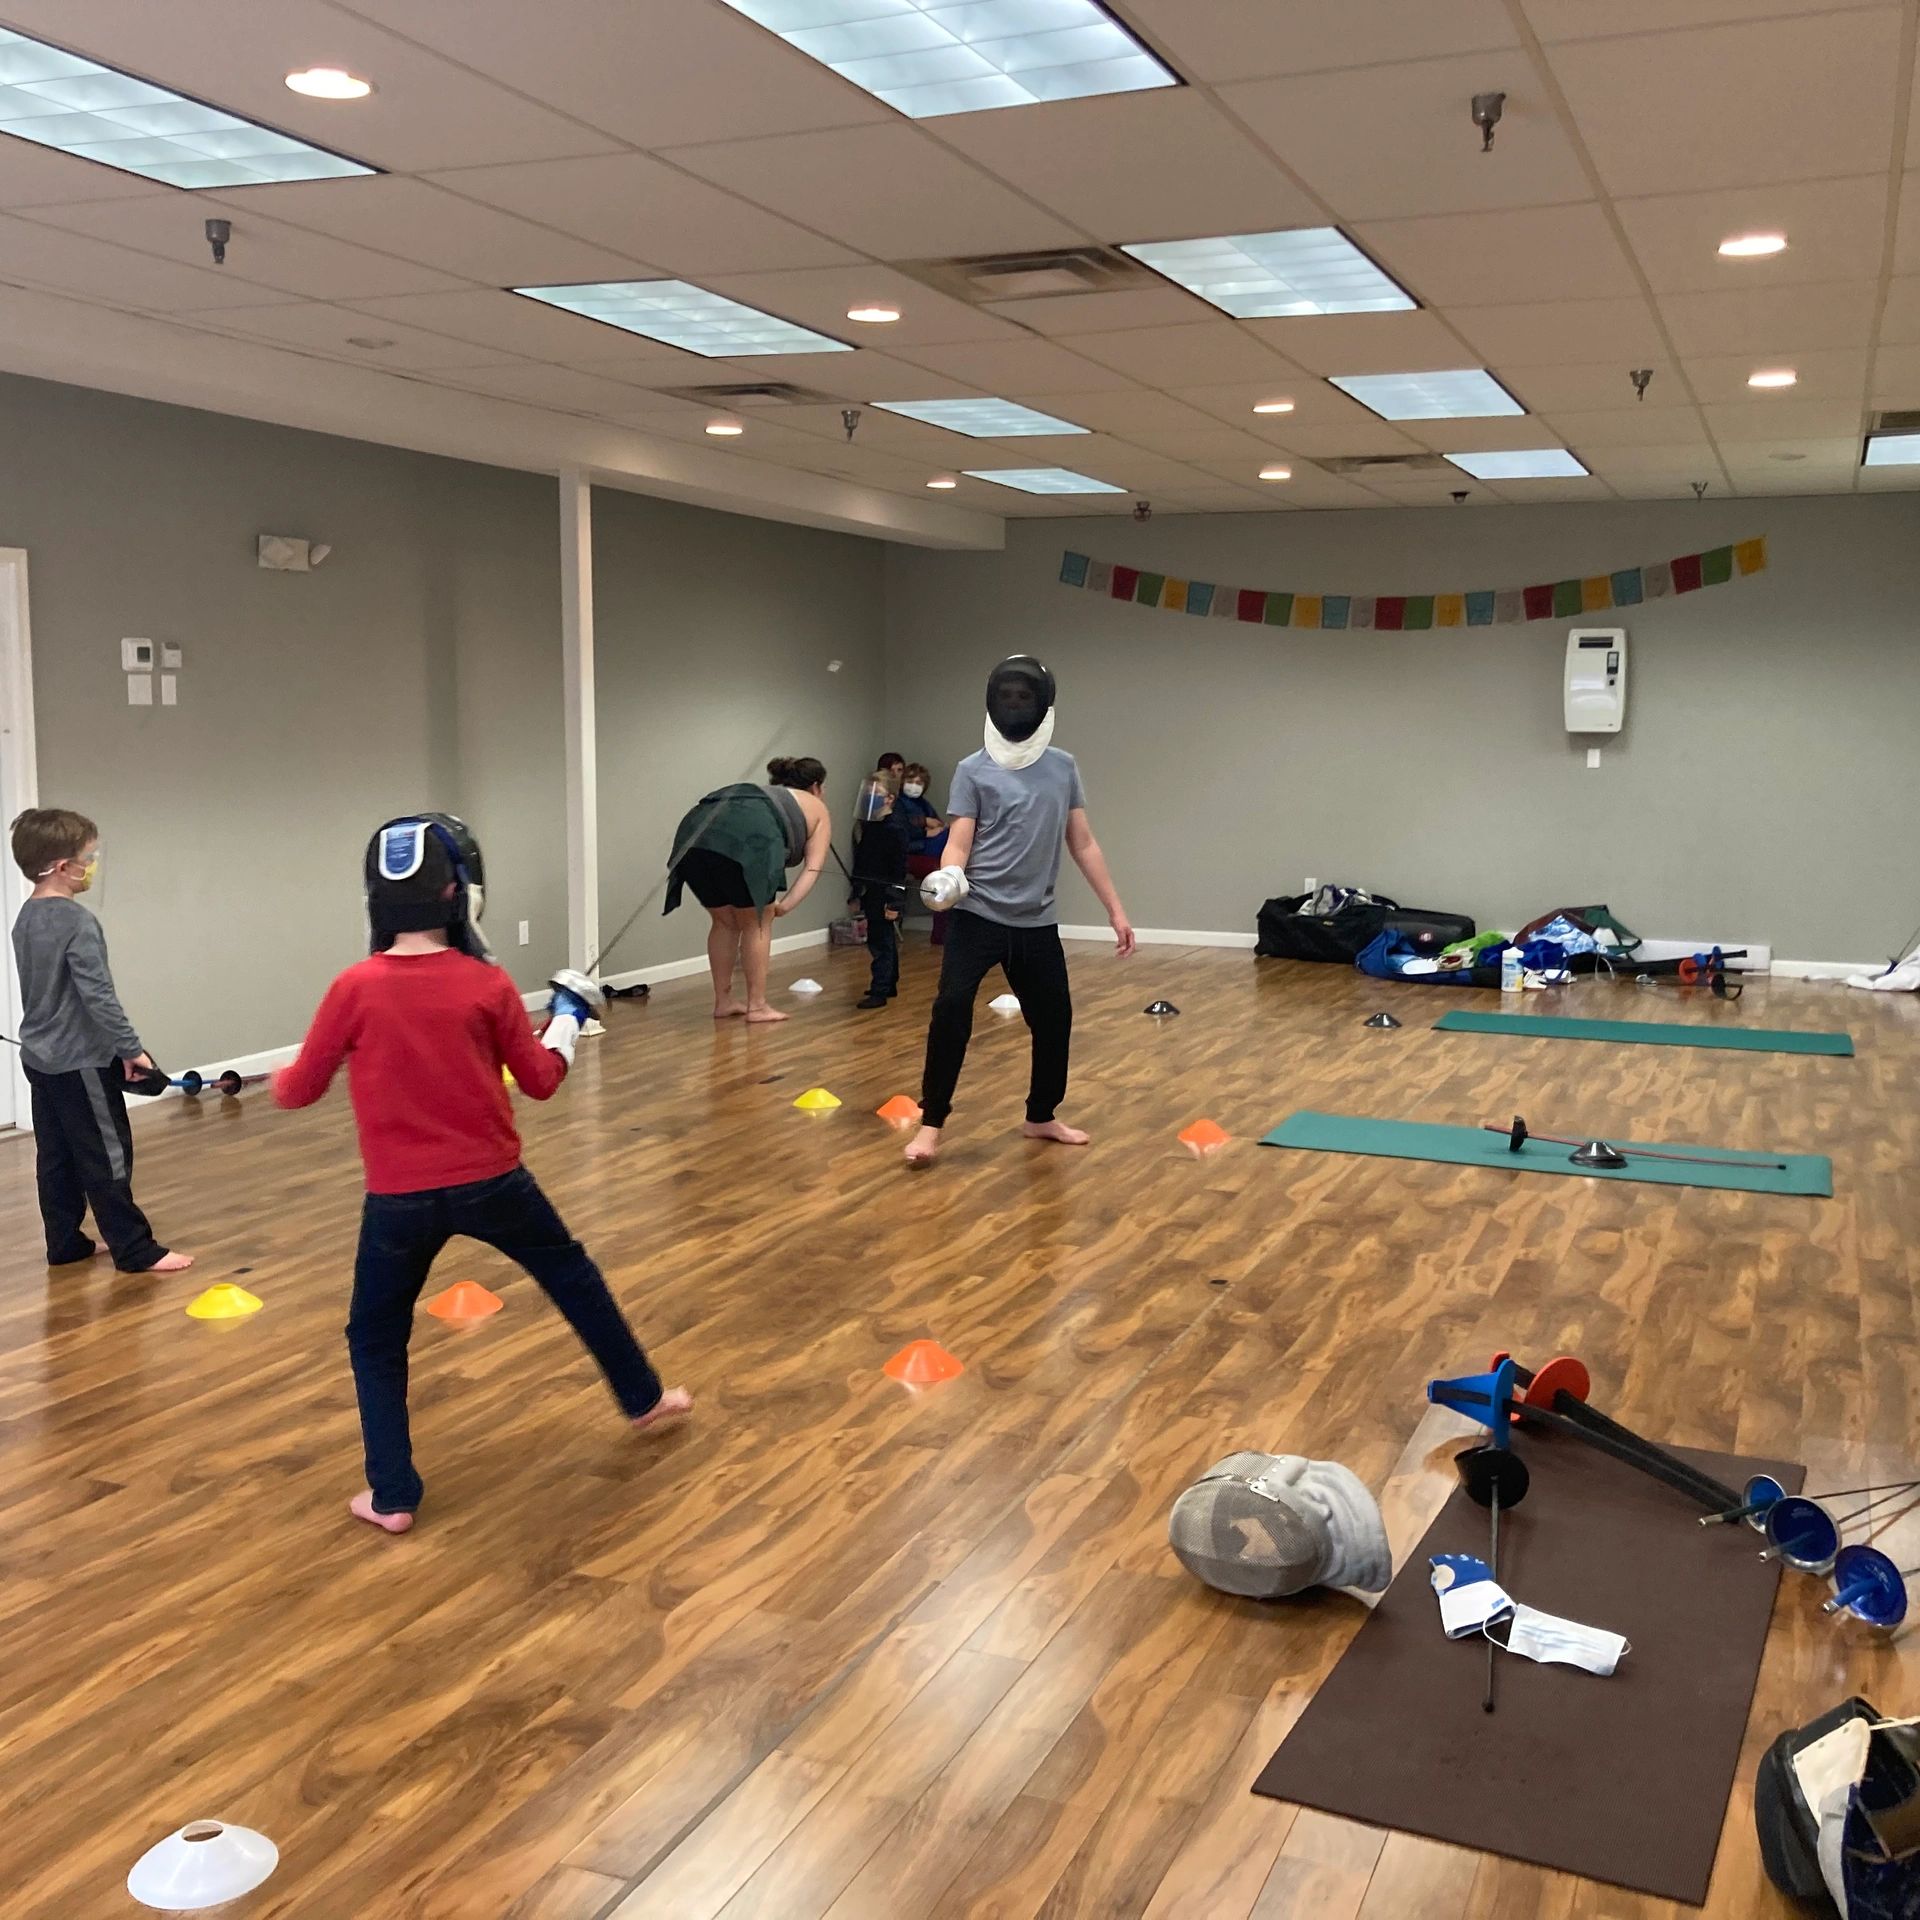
<point x="1468" y="393"/>
<point x="56" y="99"/>
<point x="369" y="342"/>
<point x="1776" y="377"/>
<point x="928" y="57"/>
<point x="1273" y="276"/>
<point x="329" y="83"/>
<point x="1752" y="246"/>
<point x="1273" y="406"/>
<point x="1892" y="450"/>
<point x="1043" y="480"/>
<point x="680" y="315"/>
<point x="980" y="419"/>
<point x="943" y="485"/>
<point x="724" y="429"/>
<point x="873" y="316"/>
<point x="1541" y="463"/>
<point x="1276" y="473"/>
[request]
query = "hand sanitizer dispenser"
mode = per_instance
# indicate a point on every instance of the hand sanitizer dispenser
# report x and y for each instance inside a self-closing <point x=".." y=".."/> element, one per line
<point x="1596" y="691"/>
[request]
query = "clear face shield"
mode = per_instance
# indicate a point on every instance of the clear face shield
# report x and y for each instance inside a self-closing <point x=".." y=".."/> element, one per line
<point x="84" y="873"/>
<point x="874" y="799"/>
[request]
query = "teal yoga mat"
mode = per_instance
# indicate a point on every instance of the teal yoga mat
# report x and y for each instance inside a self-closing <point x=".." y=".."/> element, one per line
<point x="1648" y="1033"/>
<point x="1806" y="1173"/>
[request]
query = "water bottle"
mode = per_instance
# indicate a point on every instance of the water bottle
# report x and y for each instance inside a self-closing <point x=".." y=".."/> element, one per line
<point x="1512" y="974"/>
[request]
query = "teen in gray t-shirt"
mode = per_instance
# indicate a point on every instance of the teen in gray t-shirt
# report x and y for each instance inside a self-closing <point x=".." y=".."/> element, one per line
<point x="1020" y="825"/>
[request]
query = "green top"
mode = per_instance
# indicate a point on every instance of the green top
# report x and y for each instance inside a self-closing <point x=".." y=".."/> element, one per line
<point x="1653" y="1033"/>
<point x="742" y="823"/>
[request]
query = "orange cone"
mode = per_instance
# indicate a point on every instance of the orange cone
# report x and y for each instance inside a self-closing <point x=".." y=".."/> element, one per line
<point x="899" y="1111"/>
<point x="923" y="1363"/>
<point x="1204" y="1135"/>
<point x="464" y="1302"/>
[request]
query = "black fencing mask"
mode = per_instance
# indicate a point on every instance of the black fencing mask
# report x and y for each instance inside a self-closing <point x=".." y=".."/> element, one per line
<point x="1020" y="699"/>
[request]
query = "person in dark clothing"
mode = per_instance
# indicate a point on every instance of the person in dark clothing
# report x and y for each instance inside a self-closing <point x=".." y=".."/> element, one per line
<point x="880" y="880"/>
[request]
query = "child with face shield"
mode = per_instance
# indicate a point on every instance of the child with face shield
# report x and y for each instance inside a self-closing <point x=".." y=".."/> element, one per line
<point x="880" y="879"/>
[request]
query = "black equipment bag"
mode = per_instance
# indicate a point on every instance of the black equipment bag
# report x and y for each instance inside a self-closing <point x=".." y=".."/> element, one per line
<point x="1342" y="936"/>
<point x="1429" y="930"/>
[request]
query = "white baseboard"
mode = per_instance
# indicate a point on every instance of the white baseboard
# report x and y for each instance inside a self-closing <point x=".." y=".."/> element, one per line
<point x="1825" y="969"/>
<point x="686" y="969"/>
<point x="1165" y="937"/>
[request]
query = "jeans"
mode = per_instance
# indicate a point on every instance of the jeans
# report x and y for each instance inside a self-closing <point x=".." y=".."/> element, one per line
<point x="883" y="936"/>
<point x="400" y="1235"/>
<point x="1036" y="968"/>
<point x="83" y="1152"/>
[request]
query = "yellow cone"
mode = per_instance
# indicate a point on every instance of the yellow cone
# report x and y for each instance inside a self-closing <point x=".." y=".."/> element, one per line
<point x="224" y="1302"/>
<point x="816" y="1100"/>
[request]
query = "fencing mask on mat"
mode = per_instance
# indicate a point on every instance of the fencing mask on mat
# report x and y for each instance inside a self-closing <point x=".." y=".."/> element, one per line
<point x="425" y="871"/>
<point x="1269" y="1524"/>
<point x="1020" y="697"/>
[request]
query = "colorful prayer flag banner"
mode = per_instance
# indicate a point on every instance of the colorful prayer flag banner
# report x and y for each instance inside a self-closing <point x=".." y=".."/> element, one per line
<point x="1416" y="613"/>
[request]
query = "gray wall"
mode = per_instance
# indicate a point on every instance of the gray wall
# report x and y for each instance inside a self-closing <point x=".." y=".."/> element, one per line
<point x="712" y="639"/>
<point x="1759" y="791"/>
<point x="418" y="668"/>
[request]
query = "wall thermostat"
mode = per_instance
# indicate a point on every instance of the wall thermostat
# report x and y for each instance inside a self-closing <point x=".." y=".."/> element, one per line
<point x="1596" y="685"/>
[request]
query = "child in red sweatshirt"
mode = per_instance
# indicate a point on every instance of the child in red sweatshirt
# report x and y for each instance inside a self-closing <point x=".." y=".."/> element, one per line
<point x="425" y="1026"/>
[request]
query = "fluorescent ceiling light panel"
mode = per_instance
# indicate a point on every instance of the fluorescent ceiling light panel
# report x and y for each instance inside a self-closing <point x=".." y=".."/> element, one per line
<point x="1892" y="450"/>
<point x="77" y="106"/>
<point x="928" y="57"/>
<point x="1043" y="480"/>
<point x="1275" y="276"/>
<point x="1470" y="393"/>
<point x="980" y="419"/>
<point x="679" y="315"/>
<point x="1543" y="463"/>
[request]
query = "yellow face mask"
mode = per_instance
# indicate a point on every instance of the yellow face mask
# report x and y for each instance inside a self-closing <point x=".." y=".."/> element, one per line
<point x="86" y="874"/>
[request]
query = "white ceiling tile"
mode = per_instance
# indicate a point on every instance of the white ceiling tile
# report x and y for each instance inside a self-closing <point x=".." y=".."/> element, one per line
<point x="1207" y="443"/>
<point x="423" y="222"/>
<point x="1648" y="426"/>
<point x="1343" y="442"/>
<point x="1794" y="482"/>
<point x="35" y="176"/>
<point x="1828" y="375"/>
<point x="424" y="111"/>
<point x="73" y="263"/>
<point x="1836" y="452"/>
<point x="1518" y="254"/>
<point x="313" y="326"/>
<point x="1736" y="106"/>
<point x="1588" y="389"/>
<point x="1068" y="313"/>
<point x="819" y="298"/>
<point x="1389" y="142"/>
<point x="491" y="318"/>
<point x="1127" y="412"/>
<point x="859" y="376"/>
<point x="1781" y="417"/>
<point x="1771" y="320"/>
<point x="1011" y="368"/>
<point x="1906" y="239"/>
<point x="1550" y="333"/>
<point x="1309" y="487"/>
<point x="1482" y="436"/>
<point x="1315" y="404"/>
<point x="892" y="191"/>
<point x="268" y="253"/>
<point x="646" y="210"/>
<point x="887" y="433"/>
<point x="1359" y="343"/>
<point x="1896" y="378"/>
<point x="1245" y="40"/>
<point x="1887" y="480"/>
<point x="1556" y="20"/>
<point x="1209" y="350"/>
<point x="1837" y="229"/>
<point x="656" y="72"/>
<point x="1688" y="460"/>
<point x="1553" y="493"/>
<point x="562" y="387"/>
<point x="1165" y="165"/>
<point x="1900" y="322"/>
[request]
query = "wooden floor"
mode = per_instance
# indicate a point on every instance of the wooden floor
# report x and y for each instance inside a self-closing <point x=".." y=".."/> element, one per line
<point x="835" y="1649"/>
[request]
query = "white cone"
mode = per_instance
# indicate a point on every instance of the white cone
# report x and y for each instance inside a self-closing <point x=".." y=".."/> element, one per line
<point x="1003" y="1003"/>
<point x="805" y="986"/>
<point x="205" y="1864"/>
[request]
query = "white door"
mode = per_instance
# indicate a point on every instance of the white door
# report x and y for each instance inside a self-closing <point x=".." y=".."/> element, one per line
<point x="18" y="790"/>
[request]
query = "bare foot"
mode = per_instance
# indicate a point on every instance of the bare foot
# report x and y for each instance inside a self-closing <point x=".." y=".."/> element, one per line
<point x="728" y="1010"/>
<point x="361" y="1507"/>
<point x="923" y="1146"/>
<point x="1055" y="1130"/>
<point x="172" y="1263"/>
<point x="671" y="1405"/>
<point x="763" y="1016"/>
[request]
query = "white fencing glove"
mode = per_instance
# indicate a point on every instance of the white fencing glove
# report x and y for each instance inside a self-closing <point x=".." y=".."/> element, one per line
<point x="561" y="1032"/>
<point x="945" y="887"/>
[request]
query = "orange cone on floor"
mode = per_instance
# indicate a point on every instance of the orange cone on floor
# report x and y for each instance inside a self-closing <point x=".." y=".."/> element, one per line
<point x="923" y="1363"/>
<point x="464" y="1302"/>
<point x="1204" y="1135"/>
<point x="899" y="1111"/>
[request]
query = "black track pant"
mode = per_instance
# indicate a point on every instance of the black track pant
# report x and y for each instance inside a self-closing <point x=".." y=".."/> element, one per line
<point x="85" y="1159"/>
<point x="1036" y="970"/>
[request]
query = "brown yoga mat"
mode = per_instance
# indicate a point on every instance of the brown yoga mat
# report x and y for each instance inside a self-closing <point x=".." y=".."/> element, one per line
<point x="1623" y="1778"/>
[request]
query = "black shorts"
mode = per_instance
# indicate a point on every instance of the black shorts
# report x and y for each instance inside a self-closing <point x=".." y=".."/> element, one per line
<point x="716" y="881"/>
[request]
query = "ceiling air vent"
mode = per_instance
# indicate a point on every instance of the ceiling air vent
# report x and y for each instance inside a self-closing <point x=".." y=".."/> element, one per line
<point x="753" y="393"/>
<point x="1897" y="421"/>
<point x="1386" y="466"/>
<point x="980" y="278"/>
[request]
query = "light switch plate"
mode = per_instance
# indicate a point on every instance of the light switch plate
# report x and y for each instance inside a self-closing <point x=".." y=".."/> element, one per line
<point x="1593" y="756"/>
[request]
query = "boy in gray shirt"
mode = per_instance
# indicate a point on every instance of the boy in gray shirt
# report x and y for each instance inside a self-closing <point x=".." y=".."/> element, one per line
<point x="79" y="1051"/>
<point x="1014" y="805"/>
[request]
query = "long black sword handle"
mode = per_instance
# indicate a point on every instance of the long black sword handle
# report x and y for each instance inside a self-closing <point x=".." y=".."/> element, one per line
<point x="1493" y="1570"/>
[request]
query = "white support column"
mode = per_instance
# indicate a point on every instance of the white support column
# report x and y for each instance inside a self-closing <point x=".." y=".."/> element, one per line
<point x="583" y="789"/>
